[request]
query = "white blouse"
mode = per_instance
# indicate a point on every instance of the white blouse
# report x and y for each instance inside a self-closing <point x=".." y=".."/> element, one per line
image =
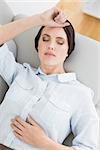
<point x="59" y="103"/>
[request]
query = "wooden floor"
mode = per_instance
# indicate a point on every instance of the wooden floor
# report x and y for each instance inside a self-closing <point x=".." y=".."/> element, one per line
<point x="84" y="24"/>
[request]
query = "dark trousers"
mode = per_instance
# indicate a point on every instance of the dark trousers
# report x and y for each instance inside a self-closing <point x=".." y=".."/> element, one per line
<point x="3" y="147"/>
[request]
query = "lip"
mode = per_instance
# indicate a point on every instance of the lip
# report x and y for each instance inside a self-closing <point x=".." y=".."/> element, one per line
<point x="50" y="54"/>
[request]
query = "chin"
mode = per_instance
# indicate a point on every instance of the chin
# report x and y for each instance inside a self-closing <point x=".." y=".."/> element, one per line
<point x="50" y="63"/>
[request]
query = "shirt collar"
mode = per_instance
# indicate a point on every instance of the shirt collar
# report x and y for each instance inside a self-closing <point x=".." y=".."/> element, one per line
<point x="64" y="77"/>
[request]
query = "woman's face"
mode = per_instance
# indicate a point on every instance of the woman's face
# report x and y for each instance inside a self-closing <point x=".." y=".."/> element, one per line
<point x="52" y="46"/>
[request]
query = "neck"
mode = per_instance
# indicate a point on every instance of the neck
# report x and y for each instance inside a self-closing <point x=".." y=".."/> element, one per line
<point x="52" y="69"/>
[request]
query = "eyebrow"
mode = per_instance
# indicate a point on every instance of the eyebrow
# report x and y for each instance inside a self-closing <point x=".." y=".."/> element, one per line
<point x="56" y="37"/>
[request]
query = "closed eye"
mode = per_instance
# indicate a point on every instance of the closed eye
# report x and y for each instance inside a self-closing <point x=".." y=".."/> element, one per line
<point x="60" y="42"/>
<point x="45" y="39"/>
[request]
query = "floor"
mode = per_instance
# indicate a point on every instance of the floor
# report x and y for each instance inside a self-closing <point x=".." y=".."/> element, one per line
<point x="83" y="23"/>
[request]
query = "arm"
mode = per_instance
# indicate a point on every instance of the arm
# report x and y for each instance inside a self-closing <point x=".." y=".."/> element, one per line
<point x="51" y="145"/>
<point x="9" y="68"/>
<point x="11" y="30"/>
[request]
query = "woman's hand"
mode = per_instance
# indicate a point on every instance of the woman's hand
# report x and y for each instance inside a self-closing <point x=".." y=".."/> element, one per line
<point x="54" y="18"/>
<point x="29" y="132"/>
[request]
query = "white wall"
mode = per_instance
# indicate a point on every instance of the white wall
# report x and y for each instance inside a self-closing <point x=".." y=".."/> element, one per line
<point x="30" y="6"/>
<point x="92" y="7"/>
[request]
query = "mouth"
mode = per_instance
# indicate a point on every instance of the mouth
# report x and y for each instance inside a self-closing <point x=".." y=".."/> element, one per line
<point x="50" y="54"/>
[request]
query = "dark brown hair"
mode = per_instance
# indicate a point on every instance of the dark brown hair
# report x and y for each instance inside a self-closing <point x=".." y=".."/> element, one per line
<point x="70" y="33"/>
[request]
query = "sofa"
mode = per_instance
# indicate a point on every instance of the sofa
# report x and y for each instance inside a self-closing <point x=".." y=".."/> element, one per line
<point x="84" y="60"/>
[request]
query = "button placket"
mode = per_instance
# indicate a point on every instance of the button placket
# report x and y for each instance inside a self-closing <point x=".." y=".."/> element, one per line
<point x="33" y="100"/>
<point x="28" y="108"/>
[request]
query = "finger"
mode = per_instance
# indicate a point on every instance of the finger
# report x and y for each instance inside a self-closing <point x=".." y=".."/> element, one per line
<point x="18" y="135"/>
<point x="61" y="19"/>
<point x="21" y="121"/>
<point x="61" y="14"/>
<point x="56" y="12"/>
<point x="60" y="24"/>
<point x="57" y="16"/>
<point x="66" y="24"/>
<point x="31" y="121"/>
<point x="17" y="130"/>
<point x="17" y="124"/>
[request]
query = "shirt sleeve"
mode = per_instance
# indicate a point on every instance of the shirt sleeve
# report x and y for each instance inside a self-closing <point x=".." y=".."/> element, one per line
<point x="85" y="125"/>
<point x="9" y="68"/>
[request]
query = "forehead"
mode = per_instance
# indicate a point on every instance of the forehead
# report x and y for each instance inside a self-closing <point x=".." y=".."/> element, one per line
<point x="54" y="32"/>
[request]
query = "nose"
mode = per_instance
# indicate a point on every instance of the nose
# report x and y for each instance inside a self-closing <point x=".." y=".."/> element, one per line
<point x="51" y="46"/>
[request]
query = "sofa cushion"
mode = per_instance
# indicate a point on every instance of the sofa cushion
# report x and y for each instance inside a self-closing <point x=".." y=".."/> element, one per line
<point x="6" y="13"/>
<point x="83" y="60"/>
<point x="3" y="86"/>
<point x="25" y="45"/>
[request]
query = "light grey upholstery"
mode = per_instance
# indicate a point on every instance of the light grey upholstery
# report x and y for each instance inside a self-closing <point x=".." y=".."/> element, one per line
<point x="6" y="14"/>
<point x="26" y="51"/>
<point x="84" y="60"/>
<point x="3" y="86"/>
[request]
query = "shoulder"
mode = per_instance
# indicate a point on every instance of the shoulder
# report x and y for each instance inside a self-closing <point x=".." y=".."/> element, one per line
<point x="28" y="69"/>
<point x="83" y="92"/>
<point x="82" y="87"/>
<point x="83" y="99"/>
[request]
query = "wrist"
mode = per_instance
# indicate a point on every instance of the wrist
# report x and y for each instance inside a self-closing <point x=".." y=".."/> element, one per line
<point x="49" y="144"/>
<point x="37" y="20"/>
<point x="46" y="142"/>
<point x="42" y="20"/>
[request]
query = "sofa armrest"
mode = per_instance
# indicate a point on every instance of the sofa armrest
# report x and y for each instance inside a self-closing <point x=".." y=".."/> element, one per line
<point x="3" y="86"/>
<point x="3" y="89"/>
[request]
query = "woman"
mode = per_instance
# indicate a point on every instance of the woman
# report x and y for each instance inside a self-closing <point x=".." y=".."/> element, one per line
<point x="40" y="101"/>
